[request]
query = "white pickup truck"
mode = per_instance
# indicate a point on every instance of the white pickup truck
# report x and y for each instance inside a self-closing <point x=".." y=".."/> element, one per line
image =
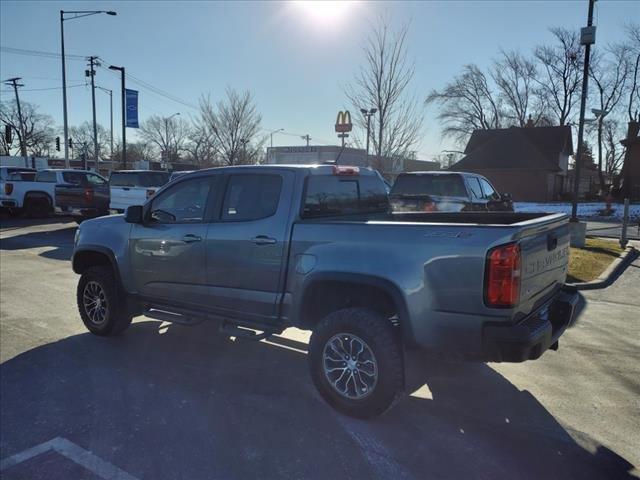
<point x="37" y="196"/>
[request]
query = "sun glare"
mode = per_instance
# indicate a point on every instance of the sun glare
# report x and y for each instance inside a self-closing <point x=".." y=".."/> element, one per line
<point x="324" y="12"/>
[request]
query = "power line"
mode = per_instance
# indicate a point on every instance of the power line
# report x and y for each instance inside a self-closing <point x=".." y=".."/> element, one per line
<point x="39" y="53"/>
<point x="49" y="88"/>
<point x="153" y="89"/>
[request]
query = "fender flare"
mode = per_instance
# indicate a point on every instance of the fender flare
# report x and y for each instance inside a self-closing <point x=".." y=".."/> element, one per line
<point x="384" y="284"/>
<point x="97" y="249"/>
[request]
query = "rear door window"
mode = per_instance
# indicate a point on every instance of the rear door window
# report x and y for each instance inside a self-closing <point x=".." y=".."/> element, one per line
<point x="334" y="195"/>
<point x="44" y="176"/>
<point x="488" y="190"/>
<point x="75" y="178"/>
<point x="251" y="197"/>
<point x="474" y="186"/>
<point x="434" y="185"/>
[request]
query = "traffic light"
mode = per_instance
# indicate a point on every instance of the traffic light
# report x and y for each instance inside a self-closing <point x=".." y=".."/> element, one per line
<point x="7" y="133"/>
<point x="70" y="142"/>
<point x="58" y="144"/>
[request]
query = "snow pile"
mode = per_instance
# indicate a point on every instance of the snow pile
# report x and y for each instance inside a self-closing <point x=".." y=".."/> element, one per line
<point x="585" y="210"/>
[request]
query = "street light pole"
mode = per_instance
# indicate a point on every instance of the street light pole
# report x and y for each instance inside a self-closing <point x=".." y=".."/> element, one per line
<point x="92" y="73"/>
<point x="110" y="92"/>
<point x="275" y="131"/>
<point x="64" y="95"/>
<point x="124" y="116"/>
<point x="76" y="14"/>
<point x="166" y="133"/>
<point x="368" y="114"/>
<point x="588" y="38"/>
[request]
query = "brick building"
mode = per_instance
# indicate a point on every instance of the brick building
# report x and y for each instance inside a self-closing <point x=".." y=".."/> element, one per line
<point x="530" y="163"/>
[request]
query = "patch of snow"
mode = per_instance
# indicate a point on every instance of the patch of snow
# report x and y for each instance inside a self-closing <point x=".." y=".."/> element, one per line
<point x="585" y="210"/>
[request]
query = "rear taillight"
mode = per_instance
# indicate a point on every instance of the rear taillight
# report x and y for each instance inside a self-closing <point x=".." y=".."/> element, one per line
<point x="150" y="192"/>
<point x="502" y="279"/>
<point x="88" y="194"/>
<point x="8" y="188"/>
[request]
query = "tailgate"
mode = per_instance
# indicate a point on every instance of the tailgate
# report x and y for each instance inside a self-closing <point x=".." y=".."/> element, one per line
<point x="545" y="260"/>
<point x="123" y="197"/>
<point x="70" y="196"/>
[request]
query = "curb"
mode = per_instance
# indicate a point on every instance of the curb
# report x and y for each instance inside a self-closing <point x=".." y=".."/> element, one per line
<point x="612" y="272"/>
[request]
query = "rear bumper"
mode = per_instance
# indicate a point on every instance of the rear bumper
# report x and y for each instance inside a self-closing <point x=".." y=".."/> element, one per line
<point x="532" y="336"/>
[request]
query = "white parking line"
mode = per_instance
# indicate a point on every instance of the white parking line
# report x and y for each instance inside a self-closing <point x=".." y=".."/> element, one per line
<point x="74" y="453"/>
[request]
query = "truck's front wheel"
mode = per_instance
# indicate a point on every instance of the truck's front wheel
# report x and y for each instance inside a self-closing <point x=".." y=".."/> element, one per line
<point x="356" y="362"/>
<point x="100" y="308"/>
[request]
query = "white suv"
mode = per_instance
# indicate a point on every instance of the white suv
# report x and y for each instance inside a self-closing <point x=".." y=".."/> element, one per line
<point x="134" y="187"/>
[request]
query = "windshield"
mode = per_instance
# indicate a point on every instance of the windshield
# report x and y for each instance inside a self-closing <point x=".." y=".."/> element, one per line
<point x="436" y="185"/>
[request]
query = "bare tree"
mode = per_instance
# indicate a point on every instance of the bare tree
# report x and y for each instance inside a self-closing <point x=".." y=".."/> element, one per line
<point x="609" y="71"/>
<point x="82" y="137"/>
<point x="515" y="78"/>
<point x="234" y="123"/>
<point x="466" y="104"/>
<point x="613" y="131"/>
<point x="633" y="103"/>
<point x="560" y="73"/>
<point x="169" y="135"/>
<point x="201" y="146"/>
<point x="383" y="83"/>
<point x="37" y="130"/>
<point x="136" y="151"/>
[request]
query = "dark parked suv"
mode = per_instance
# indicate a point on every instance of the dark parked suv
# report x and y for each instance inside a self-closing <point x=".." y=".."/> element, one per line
<point x="446" y="192"/>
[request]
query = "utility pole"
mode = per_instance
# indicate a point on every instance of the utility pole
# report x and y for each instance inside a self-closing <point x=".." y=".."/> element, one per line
<point x="14" y="83"/>
<point x="92" y="73"/>
<point x="124" y="116"/>
<point x="587" y="35"/>
<point x="307" y="138"/>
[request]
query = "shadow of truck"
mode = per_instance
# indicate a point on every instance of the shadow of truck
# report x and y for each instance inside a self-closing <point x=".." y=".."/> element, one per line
<point x="168" y="402"/>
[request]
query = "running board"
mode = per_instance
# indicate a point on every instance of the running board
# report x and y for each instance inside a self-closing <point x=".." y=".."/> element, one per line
<point x="172" y="317"/>
<point x="246" y="333"/>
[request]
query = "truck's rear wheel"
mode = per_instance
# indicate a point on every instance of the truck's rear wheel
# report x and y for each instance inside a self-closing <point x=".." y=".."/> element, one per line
<point x="37" y="207"/>
<point x="356" y="363"/>
<point x="101" y="309"/>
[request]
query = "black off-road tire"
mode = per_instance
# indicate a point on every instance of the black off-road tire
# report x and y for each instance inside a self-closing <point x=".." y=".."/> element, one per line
<point x="382" y="339"/>
<point x="37" y="207"/>
<point x="116" y="318"/>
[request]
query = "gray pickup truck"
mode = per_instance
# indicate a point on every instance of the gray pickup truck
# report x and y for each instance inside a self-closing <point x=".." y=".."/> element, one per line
<point x="263" y="248"/>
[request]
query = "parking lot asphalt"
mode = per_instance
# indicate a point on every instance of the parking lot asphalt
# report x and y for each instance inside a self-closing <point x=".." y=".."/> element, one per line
<point x="172" y="402"/>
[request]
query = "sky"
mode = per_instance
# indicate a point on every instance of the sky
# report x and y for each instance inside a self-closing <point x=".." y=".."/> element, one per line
<point x="296" y="57"/>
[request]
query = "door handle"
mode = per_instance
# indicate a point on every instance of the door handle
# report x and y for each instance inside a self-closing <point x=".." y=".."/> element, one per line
<point x="190" y="238"/>
<point x="263" y="240"/>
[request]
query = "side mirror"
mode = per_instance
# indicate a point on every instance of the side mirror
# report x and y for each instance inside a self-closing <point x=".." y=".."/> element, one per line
<point x="505" y="197"/>
<point x="134" y="214"/>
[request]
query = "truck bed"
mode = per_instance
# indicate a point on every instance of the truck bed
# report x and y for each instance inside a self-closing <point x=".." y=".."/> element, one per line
<point x="462" y="218"/>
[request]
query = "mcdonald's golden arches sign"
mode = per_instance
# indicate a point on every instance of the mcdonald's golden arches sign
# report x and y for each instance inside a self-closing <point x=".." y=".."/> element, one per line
<point x="343" y="122"/>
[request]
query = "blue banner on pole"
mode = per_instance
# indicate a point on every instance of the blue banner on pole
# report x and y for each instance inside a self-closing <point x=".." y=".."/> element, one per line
<point x="132" y="108"/>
